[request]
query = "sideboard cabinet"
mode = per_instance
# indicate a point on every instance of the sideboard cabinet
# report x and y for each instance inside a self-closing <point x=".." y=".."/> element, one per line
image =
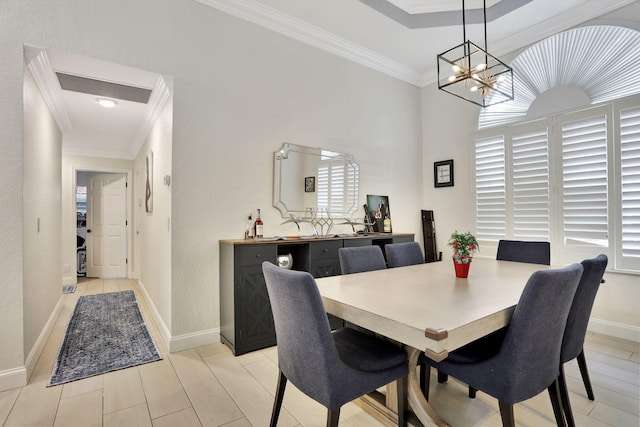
<point x="246" y="322"/>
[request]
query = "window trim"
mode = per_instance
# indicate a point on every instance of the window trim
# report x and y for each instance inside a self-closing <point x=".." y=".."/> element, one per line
<point x="554" y="122"/>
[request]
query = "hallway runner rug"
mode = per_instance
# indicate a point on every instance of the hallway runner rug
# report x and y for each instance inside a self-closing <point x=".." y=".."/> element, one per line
<point x="106" y="333"/>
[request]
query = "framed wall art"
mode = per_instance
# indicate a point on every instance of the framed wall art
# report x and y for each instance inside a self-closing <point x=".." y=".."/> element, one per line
<point x="148" y="196"/>
<point x="443" y="173"/>
<point x="310" y="184"/>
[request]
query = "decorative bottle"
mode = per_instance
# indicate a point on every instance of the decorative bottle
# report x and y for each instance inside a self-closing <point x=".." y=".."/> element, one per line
<point x="258" y="227"/>
<point x="387" y="224"/>
<point x="248" y="228"/>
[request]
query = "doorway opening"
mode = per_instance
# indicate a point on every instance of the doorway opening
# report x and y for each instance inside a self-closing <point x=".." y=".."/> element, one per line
<point x="102" y="224"/>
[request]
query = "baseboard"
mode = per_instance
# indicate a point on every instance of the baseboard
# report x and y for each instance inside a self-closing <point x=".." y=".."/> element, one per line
<point x="196" y="339"/>
<point x="38" y="347"/>
<point x="618" y="330"/>
<point x="164" y="331"/>
<point x="13" y="378"/>
<point x="181" y="342"/>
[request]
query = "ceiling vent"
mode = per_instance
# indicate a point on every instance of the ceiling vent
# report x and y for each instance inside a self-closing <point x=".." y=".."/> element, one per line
<point x="102" y="88"/>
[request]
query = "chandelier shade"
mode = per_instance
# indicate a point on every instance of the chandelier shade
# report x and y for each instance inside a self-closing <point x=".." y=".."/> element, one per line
<point x="473" y="74"/>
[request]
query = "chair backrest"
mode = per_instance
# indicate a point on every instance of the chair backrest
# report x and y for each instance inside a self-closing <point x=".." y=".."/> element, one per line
<point x="307" y="355"/>
<point x="529" y="358"/>
<point x="578" y="320"/>
<point x="361" y="258"/>
<point x="401" y="254"/>
<point x="522" y="251"/>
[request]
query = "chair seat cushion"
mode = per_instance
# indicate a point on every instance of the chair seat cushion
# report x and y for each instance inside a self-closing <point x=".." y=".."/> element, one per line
<point x="479" y="350"/>
<point x="367" y="353"/>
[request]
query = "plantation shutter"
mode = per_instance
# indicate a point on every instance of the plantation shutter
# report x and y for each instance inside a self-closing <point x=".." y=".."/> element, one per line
<point x="630" y="186"/>
<point x="322" y="186"/>
<point x="331" y="182"/>
<point x="352" y="188"/>
<point x="491" y="204"/>
<point x="530" y="160"/>
<point x="584" y="137"/>
<point x="338" y="176"/>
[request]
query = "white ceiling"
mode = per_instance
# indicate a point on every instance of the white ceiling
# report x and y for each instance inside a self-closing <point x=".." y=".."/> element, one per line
<point x="358" y="30"/>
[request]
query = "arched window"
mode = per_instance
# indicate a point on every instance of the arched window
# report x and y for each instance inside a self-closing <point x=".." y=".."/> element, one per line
<point x="601" y="61"/>
<point x="549" y="166"/>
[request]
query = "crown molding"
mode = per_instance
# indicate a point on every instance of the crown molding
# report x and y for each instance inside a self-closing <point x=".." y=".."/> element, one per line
<point x="297" y="29"/>
<point x="159" y="97"/>
<point x="49" y="86"/>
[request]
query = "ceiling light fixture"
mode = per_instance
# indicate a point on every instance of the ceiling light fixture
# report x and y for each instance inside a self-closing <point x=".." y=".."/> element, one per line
<point x="107" y="103"/>
<point x="471" y="73"/>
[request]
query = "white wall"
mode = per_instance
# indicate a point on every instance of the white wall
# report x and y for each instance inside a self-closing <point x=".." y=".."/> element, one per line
<point x="240" y="91"/>
<point x="11" y="246"/>
<point x="152" y="230"/>
<point x="447" y="125"/>
<point x="41" y="232"/>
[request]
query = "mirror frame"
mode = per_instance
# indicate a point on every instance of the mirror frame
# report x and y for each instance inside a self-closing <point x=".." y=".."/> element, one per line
<point x="283" y="154"/>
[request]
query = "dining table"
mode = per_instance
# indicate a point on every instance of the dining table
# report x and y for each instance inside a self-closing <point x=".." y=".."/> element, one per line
<point x="426" y="308"/>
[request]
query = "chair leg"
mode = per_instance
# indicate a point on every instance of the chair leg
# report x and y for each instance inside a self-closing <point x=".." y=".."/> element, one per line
<point x="277" y="402"/>
<point x="506" y="412"/>
<point x="564" y="398"/>
<point x="425" y="376"/>
<point x="472" y="392"/>
<point x="442" y="377"/>
<point x="333" y="417"/>
<point x="582" y="363"/>
<point x="401" y="386"/>
<point x="554" y="395"/>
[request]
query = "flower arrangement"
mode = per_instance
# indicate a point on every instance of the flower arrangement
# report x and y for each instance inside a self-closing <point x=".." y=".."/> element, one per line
<point x="464" y="245"/>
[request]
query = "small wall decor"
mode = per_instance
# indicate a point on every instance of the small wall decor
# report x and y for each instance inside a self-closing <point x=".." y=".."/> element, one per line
<point x="310" y="184"/>
<point x="148" y="198"/>
<point x="379" y="213"/>
<point x="443" y="173"/>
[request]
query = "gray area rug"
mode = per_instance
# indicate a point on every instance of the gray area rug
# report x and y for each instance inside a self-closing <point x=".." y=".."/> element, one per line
<point x="106" y="333"/>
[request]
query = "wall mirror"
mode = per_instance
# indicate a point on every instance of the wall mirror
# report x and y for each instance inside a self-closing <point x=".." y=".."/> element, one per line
<point x="314" y="183"/>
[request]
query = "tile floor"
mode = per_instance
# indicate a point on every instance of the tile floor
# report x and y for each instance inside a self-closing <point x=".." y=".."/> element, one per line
<point x="208" y="386"/>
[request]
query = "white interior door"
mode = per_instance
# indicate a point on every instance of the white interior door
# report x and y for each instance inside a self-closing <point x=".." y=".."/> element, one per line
<point x="107" y="225"/>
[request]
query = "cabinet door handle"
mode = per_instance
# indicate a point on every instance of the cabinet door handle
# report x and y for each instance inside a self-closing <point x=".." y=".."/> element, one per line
<point x="258" y="256"/>
<point x="325" y="250"/>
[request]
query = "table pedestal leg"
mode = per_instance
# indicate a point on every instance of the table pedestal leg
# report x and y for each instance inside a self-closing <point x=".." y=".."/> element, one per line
<point x="421" y="408"/>
<point x="385" y="408"/>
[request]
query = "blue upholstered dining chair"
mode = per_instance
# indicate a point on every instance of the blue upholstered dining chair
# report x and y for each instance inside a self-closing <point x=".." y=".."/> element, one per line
<point x="358" y="260"/>
<point x="521" y="360"/>
<point x="361" y="258"/>
<point x="402" y="254"/>
<point x="573" y="341"/>
<point x="332" y="368"/>
<point x="523" y="251"/>
<point x="517" y="251"/>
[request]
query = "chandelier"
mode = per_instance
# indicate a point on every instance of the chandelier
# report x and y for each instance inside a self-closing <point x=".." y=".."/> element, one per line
<point x="471" y="73"/>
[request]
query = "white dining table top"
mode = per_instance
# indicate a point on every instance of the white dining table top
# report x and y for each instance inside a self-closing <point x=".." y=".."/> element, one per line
<point x="425" y="306"/>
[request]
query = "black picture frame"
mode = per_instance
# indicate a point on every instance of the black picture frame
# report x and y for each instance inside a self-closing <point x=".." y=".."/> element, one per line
<point x="443" y="173"/>
<point x="310" y="184"/>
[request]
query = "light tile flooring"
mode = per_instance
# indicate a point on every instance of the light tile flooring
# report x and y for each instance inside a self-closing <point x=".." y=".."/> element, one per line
<point x="207" y="386"/>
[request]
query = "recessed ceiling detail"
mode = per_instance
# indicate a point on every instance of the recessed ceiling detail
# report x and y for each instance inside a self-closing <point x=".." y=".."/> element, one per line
<point x="441" y="15"/>
<point x="102" y="88"/>
<point x="430" y="6"/>
<point x="602" y="61"/>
